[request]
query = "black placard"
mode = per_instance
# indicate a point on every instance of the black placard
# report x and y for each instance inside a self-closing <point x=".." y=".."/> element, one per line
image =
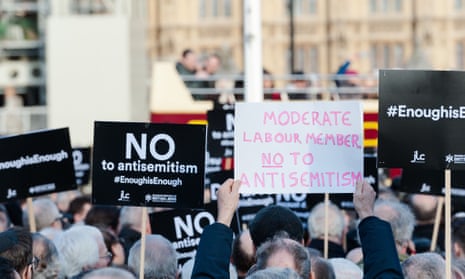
<point x="297" y="203"/>
<point x="35" y="164"/>
<point x="147" y="164"/>
<point x="81" y="160"/>
<point x="220" y="146"/>
<point x="431" y="182"/>
<point x="183" y="227"/>
<point x="250" y="204"/>
<point x="421" y="119"/>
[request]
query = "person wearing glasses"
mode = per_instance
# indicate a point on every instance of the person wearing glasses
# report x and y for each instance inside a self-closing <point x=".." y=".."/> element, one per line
<point x="45" y="257"/>
<point x="82" y="249"/>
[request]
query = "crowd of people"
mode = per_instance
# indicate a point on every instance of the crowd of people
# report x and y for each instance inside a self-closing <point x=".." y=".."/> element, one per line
<point x="74" y="238"/>
<point x="201" y="76"/>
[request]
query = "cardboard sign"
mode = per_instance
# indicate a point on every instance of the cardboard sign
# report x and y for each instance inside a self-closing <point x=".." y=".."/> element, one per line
<point x="35" y="164"/>
<point x="346" y="201"/>
<point x="144" y="164"/>
<point x="421" y="119"/>
<point x="81" y="160"/>
<point x="308" y="147"/>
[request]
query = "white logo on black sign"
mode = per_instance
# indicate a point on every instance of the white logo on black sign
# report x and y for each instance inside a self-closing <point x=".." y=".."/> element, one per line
<point x="456" y="158"/>
<point x="418" y="158"/>
<point x="124" y="196"/>
<point x="425" y="188"/>
<point x="11" y="193"/>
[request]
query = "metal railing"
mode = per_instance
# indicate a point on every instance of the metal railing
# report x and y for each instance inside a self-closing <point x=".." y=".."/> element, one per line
<point x="320" y="86"/>
<point x="22" y="119"/>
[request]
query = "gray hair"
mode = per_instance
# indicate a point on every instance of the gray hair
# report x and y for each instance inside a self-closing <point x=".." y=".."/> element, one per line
<point x="130" y="216"/>
<point x="322" y="268"/>
<point x="399" y="216"/>
<point x="44" y="249"/>
<point x="424" y="265"/>
<point x="316" y="219"/>
<point x="345" y="269"/>
<point x="45" y="213"/>
<point x="7" y="216"/>
<point x="160" y="258"/>
<point x="274" y="273"/>
<point x="297" y="250"/>
<point x="78" y="249"/>
<point x="109" y="273"/>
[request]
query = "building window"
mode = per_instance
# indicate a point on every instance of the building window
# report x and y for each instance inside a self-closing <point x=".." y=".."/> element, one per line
<point x="227" y="8"/>
<point x="398" y="5"/>
<point x="373" y="6"/>
<point x="398" y="56"/>
<point x="385" y="55"/>
<point x="304" y="7"/>
<point x="314" y="63"/>
<point x="386" y="6"/>
<point x="459" y="55"/>
<point x="458" y="4"/>
<point x="215" y="8"/>
<point x="299" y="59"/>
<point x="202" y="8"/>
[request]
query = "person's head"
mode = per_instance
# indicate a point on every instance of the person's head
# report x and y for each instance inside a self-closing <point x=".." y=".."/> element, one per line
<point x="130" y="217"/>
<point x="189" y="59"/>
<point x="336" y="224"/>
<point x="274" y="219"/>
<point x="243" y="251"/>
<point x="81" y="248"/>
<point x="79" y="207"/>
<point x="285" y="253"/>
<point x="458" y="237"/>
<point x="46" y="214"/>
<point x="4" y="218"/>
<point x="188" y="266"/>
<point x="424" y="265"/>
<point x="160" y="258"/>
<point x="109" y="273"/>
<point x="7" y="271"/>
<point x="114" y="246"/>
<point x="212" y="64"/>
<point x="322" y="269"/>
<point x="16" y="246"/>
<point x="268" y="81"/>
<point x="45" y="251"/>
<point x="103" y="216"/>
<point x="423" y="207"/>
<point x="458" y="268"/>
<point x="63" y="199"/>
<point x="274" y="273"/>
<point x="345" y="269"/>
<point x="299" y="81"/>
<point x="401" y="219"/>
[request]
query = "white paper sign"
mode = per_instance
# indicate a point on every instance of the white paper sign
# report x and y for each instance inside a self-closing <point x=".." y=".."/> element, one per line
<point x="298" y="147"/>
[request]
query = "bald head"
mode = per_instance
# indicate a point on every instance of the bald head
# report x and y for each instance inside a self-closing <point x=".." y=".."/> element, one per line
<point x="424" y="207"/>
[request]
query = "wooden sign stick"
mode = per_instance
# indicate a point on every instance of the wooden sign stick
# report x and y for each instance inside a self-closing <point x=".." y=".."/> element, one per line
<point x="30" y="213"/>
<point x="326" y="226"/>
<point x="448" y="225"/>
<point x="437" y="223"/>
<point x="142" y="243"/>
